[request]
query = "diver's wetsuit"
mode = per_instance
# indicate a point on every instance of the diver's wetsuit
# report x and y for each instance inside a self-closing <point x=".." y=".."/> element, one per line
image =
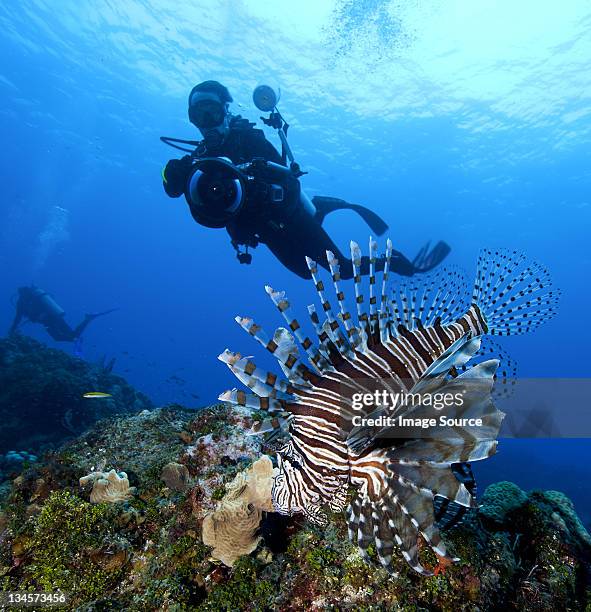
<point x="37" y="306"/>
<point x="290" y="232"/>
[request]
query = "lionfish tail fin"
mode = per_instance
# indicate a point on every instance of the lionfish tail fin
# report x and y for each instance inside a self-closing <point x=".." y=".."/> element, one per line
<point x="514" y="295"/>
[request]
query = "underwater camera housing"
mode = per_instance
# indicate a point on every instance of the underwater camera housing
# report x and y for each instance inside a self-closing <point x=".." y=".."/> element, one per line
<point x="215" y="191"/>
<point x="218" y="191"/>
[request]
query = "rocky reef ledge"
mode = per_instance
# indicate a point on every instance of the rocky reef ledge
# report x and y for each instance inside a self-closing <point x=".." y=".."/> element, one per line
<point x="42" y="399"/>
<point x="155" y="476"/>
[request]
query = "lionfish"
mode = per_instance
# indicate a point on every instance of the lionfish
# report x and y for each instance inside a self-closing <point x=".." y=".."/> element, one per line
<point x="425" y="338"/>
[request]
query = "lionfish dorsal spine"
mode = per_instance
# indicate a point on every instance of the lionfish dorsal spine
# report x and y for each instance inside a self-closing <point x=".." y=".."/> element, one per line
<point x="384" y="312"/>
<point x="373" y="315"/>
<point x="238" y="397"/>
<point x="335" y="329"/>
<point x="297" y="371"/>
<point x="263" y="383"/>
<point x="352" y="331"/>
<point x="314" y="355"/>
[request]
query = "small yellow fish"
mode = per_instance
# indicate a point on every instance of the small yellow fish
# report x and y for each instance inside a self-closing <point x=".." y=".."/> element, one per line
<point x="96" y="394"/>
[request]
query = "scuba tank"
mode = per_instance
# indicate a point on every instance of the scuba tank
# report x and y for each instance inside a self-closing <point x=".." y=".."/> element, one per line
<point x="46" y="302"/>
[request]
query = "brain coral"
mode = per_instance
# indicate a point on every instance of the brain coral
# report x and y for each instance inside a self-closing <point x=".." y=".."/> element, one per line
<point x="231" y="529"/>
<point x="500" y="499"/>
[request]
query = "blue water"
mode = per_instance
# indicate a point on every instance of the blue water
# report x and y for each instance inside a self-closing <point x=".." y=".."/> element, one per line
<point x="468" y="122"/>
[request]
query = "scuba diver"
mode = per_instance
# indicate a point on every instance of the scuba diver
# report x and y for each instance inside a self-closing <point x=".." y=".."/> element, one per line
<point x="38" y="306"/>
<point x="235" y="178"/>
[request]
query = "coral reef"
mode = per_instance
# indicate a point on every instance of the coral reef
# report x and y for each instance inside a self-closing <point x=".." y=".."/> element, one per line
<point x="45" y="386"/>
<point x="109" y="487"/>
<point x="231" y="529"/>
<point x="500" y="500"/>
<point x="148" y="552"/>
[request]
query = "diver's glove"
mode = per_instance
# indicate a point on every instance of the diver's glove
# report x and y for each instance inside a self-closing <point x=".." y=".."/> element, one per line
<point x="175" y="175"/>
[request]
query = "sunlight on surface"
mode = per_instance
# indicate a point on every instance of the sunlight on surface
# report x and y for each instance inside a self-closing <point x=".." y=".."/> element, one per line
<point x="484" y="61"/>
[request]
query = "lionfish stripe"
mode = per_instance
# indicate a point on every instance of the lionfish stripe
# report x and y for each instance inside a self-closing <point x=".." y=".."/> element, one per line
<point x="353" y="334"/>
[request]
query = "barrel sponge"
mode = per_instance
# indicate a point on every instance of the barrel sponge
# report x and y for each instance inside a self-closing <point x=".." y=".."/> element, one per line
<point x="231" y="528"/>
<point x="501" y="499"/>
<point x="108" y="487"/>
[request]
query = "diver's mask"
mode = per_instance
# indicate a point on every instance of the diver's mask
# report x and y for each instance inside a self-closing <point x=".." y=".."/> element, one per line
<point x="210" y="115"/>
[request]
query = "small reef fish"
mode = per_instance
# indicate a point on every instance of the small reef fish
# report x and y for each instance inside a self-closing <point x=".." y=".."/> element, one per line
<point x="96" y="394"/>
<point x="424" y="337"/>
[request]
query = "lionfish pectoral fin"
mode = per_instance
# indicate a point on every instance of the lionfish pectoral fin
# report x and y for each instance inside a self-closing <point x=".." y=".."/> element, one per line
<point x="514" y="295"/>
<point x="449" y="514"/>
<point x="456" y="355"/>
<point x="361" y="437"/>
<point x="237" y="397"/>
<point x="506" y="374"/>
<point x="272" y="426"/>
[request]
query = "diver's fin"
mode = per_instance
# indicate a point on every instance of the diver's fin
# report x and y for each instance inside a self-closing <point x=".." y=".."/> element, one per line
<point x="325" y="205"/>
<point x="88" y="318"/>
<point x="94" y="315"/>
<point x="428" y="259"/>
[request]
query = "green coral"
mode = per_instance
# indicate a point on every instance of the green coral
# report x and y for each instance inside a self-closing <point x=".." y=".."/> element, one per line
<point x="321" y="561"/>
<point x="357" y="572"/>
<point x="244" y="590"/>
<point x="563" y="515"/>
<point x="213" y="420"/>
<point x="68" y="547"/>
<point x="218" y="493"/>
<point x="500" y="500"/>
